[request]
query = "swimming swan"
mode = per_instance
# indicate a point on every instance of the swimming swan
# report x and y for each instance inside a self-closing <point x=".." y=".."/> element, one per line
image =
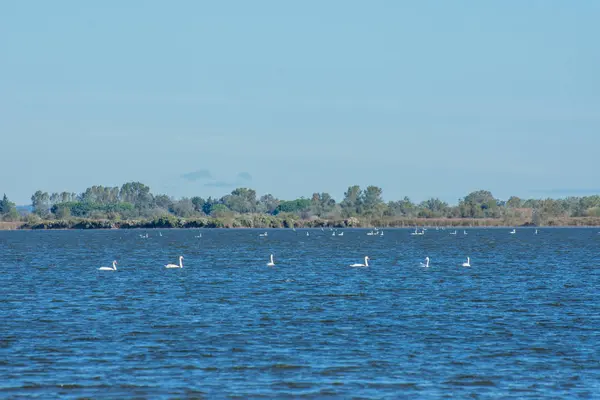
<point x="271" y="263"/>
<point x="175" y="265"/>
<point x="468" y="263"/>
<point x="113" y="268"/>
<point x="426" y="265"/>
<point x="366" y="264"/>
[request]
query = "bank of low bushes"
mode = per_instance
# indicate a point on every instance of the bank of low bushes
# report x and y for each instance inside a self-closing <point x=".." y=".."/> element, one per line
<point x="287" y="221"/>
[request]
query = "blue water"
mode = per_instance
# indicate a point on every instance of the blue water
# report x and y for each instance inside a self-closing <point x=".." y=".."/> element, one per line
<point x="522" y="322"/>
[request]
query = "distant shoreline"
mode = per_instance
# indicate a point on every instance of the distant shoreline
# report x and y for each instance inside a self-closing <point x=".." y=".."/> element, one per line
<point x="133" y="205"/>
<point x="275" y="223"/>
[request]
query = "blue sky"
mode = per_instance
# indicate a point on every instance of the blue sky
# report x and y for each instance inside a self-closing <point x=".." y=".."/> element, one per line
<point x="422" y="98"/>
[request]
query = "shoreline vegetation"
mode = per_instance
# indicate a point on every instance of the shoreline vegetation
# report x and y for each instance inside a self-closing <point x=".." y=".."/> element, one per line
<point x="133" y="206"/>
<point x="210" y="223"/>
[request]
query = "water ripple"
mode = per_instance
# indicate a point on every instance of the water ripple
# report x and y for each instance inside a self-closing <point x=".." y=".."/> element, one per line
<point x="522" y="322"/>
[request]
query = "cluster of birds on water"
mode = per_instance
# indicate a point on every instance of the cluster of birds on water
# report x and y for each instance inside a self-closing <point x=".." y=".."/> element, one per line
<point x="271" y="262"/>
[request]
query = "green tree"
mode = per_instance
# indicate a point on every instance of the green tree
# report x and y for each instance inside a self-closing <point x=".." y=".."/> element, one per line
<point x="532" y="203"/>
<point x="268" y="203"/>
<point x="297" y="206"/>
<point x="372" y="200"/>
<point x="402" y="208"/>
<point x="433" y="208"/>
<point x="101" y="195"/>
<point x="8" y="210"/>
<point x="54" y="199"/>
<point x="66" y="197"/>
<point x="219" y="210"/>
<point x="40" y="202"/>
<point x="183" y="208"/>
<point x="241" y="200"/>
<point x="553" y="208"/>
<point x="198" y="203"/>
<point x="352" y="203"/>
<point x="322" y="204"/>
<point x="61" y="211"/>
<point x="587" y="205"/>
<point x="514" y="202"/>
<point x="208" y="205"/>
<point x="163" y="201"/>
<point x="137" y="194"/>
<point x="479" y="204"/>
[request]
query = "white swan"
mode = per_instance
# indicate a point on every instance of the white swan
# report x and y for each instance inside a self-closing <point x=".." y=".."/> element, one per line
<point x="468" y="263"/>
<point x="366" y="264"/>
<point x="263" y="234"/>
<point x="113" y="268"/>
<point x="175" y="265"/>
<point x="307" y="234"/>
<point x="536" y="231"/>
<point x="370" y="233"/>
<point x="271" y="263"/>
<point x="333" y="234"/>
<point x="381" y="234"/>
<point x="513" y="231"/>
<point x="341" y="234"/>
<point x="453" y="233"/>
<point x="426" y="265"/>
<point x="464" y="232"/>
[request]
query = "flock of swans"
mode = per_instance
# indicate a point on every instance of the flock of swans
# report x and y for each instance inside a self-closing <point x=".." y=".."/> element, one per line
<point x="180" y="265"/>
<point x="421" y="232"/>
<point x="271" y="262"/>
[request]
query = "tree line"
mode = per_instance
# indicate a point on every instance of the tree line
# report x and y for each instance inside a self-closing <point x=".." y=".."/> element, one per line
<point x="134" y="201"/>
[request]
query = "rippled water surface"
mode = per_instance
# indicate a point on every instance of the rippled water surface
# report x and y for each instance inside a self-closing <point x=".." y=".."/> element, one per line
<point x="522" y="322"/>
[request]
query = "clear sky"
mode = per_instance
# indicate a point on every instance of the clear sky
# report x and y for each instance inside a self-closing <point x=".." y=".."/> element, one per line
<point x="422" y="98"/>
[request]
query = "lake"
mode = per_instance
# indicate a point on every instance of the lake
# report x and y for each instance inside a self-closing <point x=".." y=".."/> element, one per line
<point x="522" y="322"/>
